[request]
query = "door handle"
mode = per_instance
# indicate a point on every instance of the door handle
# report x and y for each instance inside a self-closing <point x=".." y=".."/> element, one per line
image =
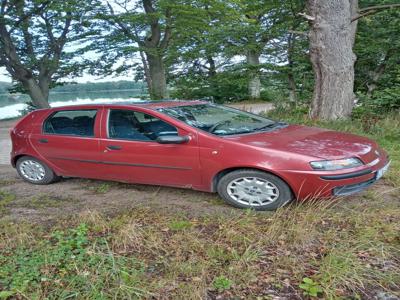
<point x="113" y="147"/>
<point x="43" y="141"/>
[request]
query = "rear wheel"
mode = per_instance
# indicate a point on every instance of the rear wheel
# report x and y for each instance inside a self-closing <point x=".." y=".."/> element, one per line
<point x="34" y="171"/>
<point x="258" y="190"/>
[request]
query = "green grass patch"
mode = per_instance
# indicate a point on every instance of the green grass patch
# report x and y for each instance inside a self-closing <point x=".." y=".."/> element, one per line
<point x="178" y="225"/>
<point x="70" y="264"/>
<point x="5" y="199"/>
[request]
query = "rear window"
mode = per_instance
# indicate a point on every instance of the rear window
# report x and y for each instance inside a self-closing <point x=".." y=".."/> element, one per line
<point x="71" y="122"/>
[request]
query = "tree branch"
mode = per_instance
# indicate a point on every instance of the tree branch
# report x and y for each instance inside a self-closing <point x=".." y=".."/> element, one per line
<point x="122" y="26"/>
<point x="363" y="12"/>
<point x="35" y="10"/>
<point x="155" y="37"/>
<point x="167" y="31"/>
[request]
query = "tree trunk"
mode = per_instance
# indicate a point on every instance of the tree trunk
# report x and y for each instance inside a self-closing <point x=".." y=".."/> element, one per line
<point x="254" y="84"/>
<point x="292" y="89"/>
<point x="158" y="89"/>
<point x="146" y="70"/>
<point x="377" y="73"/>
<point x="38" y="96"/>
<point x="332" y="37"/>
<point x="291" y="81"/>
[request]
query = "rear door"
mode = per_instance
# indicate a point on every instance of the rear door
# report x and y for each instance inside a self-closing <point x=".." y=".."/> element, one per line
<point x="69" y="141"/>
<point x="130" y="151"/>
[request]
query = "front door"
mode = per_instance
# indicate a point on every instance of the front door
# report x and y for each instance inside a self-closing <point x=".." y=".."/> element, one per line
<point x="69" y="142"/>
<point x="130" y="152"/>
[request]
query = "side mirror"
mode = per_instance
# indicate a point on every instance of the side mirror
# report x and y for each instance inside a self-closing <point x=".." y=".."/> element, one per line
<point x="172" y="139"/>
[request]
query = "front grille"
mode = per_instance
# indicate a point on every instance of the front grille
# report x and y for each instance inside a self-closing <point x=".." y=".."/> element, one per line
<point x="352" y="188"/>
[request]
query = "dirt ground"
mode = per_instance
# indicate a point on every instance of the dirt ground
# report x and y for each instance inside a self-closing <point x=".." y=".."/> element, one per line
<point x="72" y="196"/>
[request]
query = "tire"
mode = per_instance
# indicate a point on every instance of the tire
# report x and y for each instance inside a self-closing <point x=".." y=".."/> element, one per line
<point x="35" y="171"/>
<point x="253" y="189"/>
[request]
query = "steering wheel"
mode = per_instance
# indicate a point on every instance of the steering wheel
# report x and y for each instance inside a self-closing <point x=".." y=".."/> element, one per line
<point x="218" y="124"/>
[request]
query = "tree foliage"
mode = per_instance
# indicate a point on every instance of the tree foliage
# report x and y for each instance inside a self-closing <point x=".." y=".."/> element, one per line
<point x="42" y="42"/>
<point x="224" y="50"/>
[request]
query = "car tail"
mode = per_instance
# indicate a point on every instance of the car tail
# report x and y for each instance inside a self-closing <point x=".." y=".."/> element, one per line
<point x="20" y="133"/>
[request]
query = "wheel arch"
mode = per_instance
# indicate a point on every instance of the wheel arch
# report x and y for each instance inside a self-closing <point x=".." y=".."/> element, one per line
<point x="223" y="172"/>
<point x="16" y="157"/>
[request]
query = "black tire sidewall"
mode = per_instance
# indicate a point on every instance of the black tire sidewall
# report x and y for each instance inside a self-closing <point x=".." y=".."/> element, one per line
<point x="285" y="193"/>
<point x="49" y="175"/>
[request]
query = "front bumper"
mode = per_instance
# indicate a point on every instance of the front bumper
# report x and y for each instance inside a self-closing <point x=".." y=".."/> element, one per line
<point x="313" y="184"/>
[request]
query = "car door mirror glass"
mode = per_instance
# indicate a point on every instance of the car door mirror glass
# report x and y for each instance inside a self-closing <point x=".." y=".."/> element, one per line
<point x="172" y="139"/>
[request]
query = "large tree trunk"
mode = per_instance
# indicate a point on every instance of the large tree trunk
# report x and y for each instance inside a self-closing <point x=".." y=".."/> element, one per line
<point x="39" y="97"/>
<point x="332" y="37"/>
<point x="254" y="84"/>
<point x="158" y="89"/>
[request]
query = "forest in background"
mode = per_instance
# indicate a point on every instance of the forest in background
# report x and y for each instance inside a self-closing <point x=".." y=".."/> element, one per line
<point x="296" y="53"/>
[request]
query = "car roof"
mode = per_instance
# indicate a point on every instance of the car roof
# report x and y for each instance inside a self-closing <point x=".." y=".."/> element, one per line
<point x="154" y="105"/>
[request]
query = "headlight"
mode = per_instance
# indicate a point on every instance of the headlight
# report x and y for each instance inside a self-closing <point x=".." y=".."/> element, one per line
<point x="338" y="164"/>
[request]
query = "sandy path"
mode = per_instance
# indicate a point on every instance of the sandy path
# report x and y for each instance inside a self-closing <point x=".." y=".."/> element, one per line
<point x="5" y="142"/>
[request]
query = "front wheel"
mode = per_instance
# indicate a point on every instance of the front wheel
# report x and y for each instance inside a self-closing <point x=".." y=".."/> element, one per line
<point x="254" y="189"/>
<point x="35" y="171"/>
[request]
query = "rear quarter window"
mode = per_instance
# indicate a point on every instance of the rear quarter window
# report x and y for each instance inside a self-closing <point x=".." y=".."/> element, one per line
<point x="71" y="122"/>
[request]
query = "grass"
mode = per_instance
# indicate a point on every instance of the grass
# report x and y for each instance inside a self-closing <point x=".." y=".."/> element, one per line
<point x="5" y="199"/>
<point x="345" y="252"/>
<point x="44" y="201"/>
<point x="338" y="249"/>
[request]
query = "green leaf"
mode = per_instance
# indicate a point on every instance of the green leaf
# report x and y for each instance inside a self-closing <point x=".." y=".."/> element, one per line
<point x="6" y="294"/>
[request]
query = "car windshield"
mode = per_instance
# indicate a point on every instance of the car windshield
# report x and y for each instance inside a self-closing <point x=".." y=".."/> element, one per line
<point x="219" y="120"/>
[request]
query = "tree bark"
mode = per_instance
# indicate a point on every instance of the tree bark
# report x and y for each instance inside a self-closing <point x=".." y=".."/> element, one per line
<point x="158" y="90"/>
<point x="40" y="98"/>
<point x="254" y="84"/>
<point x="332" y="37"/>
<point x="146" y="70"/>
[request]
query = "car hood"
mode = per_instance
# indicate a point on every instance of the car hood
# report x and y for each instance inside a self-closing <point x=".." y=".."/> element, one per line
<point x="311" y="141"/>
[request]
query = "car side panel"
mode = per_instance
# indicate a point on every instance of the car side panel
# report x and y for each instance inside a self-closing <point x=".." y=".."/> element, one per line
<point x="73" y="156"/>
<point x="150" y="162"/>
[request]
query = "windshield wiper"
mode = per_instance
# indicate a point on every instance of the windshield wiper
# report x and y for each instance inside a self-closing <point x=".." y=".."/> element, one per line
<point x="271" y="125"/>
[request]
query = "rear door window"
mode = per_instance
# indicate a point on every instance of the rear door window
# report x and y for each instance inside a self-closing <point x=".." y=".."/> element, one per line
<point x="71" y="122"/>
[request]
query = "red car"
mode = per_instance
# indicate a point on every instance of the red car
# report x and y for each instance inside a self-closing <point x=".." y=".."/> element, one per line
<point x="251" y="161"/>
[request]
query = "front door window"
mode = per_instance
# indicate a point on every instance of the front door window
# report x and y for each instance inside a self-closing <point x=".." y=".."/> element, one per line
<point x="137" y="126"/>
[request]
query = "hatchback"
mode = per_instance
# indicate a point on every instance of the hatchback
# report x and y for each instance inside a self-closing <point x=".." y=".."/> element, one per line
<point x="251" y="161"/>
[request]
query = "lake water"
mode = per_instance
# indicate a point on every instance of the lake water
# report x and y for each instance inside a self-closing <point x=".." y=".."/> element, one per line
<point x="14" y="110"/>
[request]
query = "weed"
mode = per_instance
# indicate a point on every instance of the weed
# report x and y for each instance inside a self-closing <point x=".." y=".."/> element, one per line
<point x="101" y="188"/>
<point x="310" y="287"/>
<point x="178" y="225"/>
<point x="221" y="283"/>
